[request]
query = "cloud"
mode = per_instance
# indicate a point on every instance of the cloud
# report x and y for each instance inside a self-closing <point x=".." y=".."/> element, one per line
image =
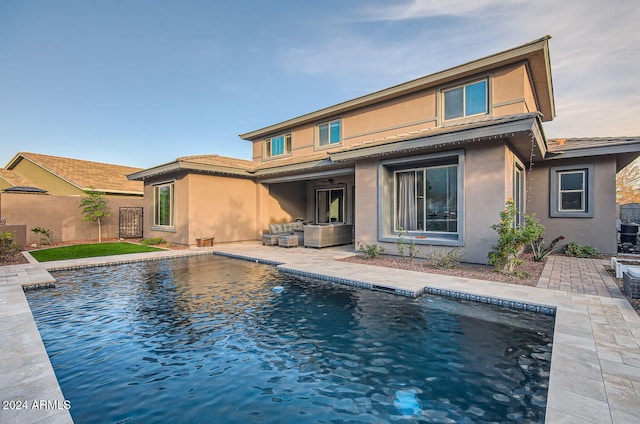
<point x="419" y="9"/>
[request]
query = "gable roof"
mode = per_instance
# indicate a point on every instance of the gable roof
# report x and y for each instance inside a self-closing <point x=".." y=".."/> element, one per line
<point x="211" y="164"/>
<point x="534" y="53"/>
<point x="83" y="174"/>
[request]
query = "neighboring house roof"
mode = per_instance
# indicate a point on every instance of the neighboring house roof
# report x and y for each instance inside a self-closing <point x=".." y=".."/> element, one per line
<point x="14" y="179"/>
<point x="83" y="174"/>
<point x="535" y="54"/>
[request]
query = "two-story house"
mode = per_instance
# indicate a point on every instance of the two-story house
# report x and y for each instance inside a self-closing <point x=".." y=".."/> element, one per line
<point x="431" y="160"/>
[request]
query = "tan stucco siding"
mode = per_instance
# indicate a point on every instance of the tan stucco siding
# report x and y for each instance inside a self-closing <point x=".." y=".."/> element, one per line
<point x="510" y="93"/>
<point x="598" y="231"/>
<point x="485" y="192"/>
<point x="398" y="116"/>
<point x="221" y="207"/>
<point x="509" y="88"/>
<point x="60" y="214"/>
<point x="286" y="202"/>
<point x="45" y="180"/>
<point x="366" y="203"/>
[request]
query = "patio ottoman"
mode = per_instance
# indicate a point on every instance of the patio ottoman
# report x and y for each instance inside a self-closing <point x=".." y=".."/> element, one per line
<point x="288" y="240"/>
<point x="270" y="239"/>
<point x="631" y="282"/>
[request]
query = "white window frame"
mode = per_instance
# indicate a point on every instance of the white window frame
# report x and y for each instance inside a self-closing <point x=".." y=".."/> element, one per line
<point x="519" y="191"/>
<point x="156" y="225"/>
<point x="555" y="191"/>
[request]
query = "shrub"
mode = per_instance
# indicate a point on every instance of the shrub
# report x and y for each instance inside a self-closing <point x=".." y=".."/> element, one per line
<point x="152" y="241"/>
<point x="512" y="239"/>
<point x="411" y="248"/>
<point x="578" y="251"/>
<point x="45" y="234"/>
<point x="8" y="247"/>
<point x="540" y="251"/>
<point x="445" y="259"/>
<point x="370" y="251"/>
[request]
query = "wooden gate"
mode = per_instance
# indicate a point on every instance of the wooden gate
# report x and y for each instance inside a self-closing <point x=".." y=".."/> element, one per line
<point x="130" y="222"/>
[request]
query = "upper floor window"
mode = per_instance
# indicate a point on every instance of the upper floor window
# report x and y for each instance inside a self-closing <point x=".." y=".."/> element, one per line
<point x="277" y="146"/>
<point x="466" y="100"/>
<point x="329" y="133"/>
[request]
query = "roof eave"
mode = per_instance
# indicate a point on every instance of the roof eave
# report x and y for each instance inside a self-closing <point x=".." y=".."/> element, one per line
<point x="176" y="166"/>
<point x="449" y="139"/>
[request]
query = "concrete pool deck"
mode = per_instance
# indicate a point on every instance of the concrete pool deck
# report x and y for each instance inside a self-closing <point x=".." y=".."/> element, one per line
<point x="595" y="366"/>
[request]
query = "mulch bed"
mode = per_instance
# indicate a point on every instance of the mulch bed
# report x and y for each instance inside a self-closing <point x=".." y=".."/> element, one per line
<point x="529" y="267"/>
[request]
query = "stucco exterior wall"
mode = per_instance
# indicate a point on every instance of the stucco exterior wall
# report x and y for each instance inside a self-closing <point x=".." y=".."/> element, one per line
<point x="207" y="206"/>
<point x="60" y="214"/>
<point x="486" y="188"/>
<point x="511" y="93"/>
<point x="598" y="231"/>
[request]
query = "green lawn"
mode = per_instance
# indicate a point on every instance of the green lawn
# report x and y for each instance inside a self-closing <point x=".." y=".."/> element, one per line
<point x="89" y="251"/>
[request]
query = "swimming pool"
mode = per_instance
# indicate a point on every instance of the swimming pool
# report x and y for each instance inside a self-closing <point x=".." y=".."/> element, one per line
<point x="206" y="339"/>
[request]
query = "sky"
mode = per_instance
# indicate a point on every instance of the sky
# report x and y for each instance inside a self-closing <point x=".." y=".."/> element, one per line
<point x="143" y="82"/>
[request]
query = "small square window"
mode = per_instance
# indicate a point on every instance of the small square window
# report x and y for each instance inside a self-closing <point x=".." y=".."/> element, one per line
<point x="329" y="133"/>
<point x="571" y="191"/>
<point x="466" y="100"/>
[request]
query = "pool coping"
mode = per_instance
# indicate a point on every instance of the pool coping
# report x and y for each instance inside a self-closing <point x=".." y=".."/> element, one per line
<point x="595" y="366"/>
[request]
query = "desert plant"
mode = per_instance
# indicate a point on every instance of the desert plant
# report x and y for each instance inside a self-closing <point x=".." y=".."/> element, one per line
<point x="512" y="238"/>
<point x="45" y="234"/>
<point x="95" y="209"/>
<point x="410" y="247"/>
<point x="152" y="241"/>
<point x="370" y="251"/>
<point x="540" y="251"/>
<point x="579" y="251"/>
<point x="8" y="247"/>
<point x="445" y="259"/>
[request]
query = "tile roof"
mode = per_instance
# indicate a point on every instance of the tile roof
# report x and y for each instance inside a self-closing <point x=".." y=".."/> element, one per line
<point x="558" y="145"/>
<point x="14" y="178"/>
<point x="85" y="174"/>
<point x="217" y="160"/>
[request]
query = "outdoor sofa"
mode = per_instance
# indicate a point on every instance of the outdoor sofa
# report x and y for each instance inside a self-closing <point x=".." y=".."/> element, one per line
<point x="326" y="235"/>
<point x="276" y="230"/>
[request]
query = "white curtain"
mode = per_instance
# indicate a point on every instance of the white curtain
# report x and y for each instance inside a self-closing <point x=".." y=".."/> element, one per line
<point x="406" y="209"/>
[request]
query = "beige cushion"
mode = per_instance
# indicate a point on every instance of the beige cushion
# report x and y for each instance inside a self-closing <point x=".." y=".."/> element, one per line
<point x="297" y="225"/>
<point x="275" y="228"/>
<point x="287" y="228"/>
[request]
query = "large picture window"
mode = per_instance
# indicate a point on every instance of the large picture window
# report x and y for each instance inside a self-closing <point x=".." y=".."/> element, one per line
<point x="163" y="209"/>
<point x="466" y="100"/>
<point x="422" y="199"/>
<point x="426" y="199"/>
<point x="330" y="206"/>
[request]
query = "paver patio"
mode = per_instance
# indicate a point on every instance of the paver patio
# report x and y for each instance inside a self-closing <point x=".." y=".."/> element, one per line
<point x="595" y="366"/>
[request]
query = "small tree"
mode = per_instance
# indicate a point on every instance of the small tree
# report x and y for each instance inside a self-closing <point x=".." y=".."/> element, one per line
<point x="512" y="239"/>
<point x="95" y="208"/>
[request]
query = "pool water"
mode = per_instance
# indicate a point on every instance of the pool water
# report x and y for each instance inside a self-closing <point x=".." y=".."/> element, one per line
<point x="206" y="339"/>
